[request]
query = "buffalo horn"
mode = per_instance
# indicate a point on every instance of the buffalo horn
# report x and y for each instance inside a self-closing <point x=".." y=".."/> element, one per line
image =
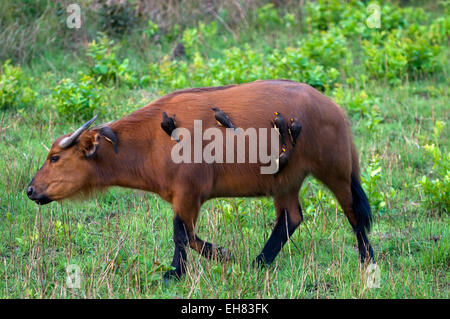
<point x="69" y="140"/>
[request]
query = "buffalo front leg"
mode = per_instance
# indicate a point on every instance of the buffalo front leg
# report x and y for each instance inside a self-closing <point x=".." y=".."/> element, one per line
<point x="289" y="216"/>
<point x="186" y="210"/>
<point x="180" y="239"/>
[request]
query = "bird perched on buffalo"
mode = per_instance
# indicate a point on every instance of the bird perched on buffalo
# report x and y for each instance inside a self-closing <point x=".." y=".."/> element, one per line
<point x="279" y="124"/>
<point x="222" y="119"/>
<point x="110" y="136"/>
<point x="168" y="124"/>
<point x="294" y="130"/>
<point x="282" y="160"/>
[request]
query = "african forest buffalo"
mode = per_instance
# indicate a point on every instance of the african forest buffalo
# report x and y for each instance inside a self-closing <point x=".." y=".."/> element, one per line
<point x="134" y="152"/>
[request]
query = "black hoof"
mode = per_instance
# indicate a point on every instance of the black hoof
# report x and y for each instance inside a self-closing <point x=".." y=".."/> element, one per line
<point x="367" y="256"/>
<point x="260" y="262"/>
<point x="218" y="253"/>
<point x="224" y="254"/>
<point x="367" y="259"/>
<point x="172" y="275"/>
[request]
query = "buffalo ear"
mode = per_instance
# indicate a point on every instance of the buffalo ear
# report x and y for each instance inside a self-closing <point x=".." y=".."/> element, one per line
<point x="89" y="142"/>
<point x="110" y="136"/>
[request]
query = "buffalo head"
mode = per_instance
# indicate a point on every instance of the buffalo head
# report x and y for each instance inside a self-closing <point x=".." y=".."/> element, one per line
<point x="69" y="166"/>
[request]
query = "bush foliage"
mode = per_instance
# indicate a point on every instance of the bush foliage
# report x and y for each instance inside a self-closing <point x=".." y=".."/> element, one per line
<point x="81" y="99"/>
<point x="15" y="90"/>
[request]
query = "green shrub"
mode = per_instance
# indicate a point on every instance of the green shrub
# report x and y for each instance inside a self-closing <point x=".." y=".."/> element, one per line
<point x="242" y="65"/>
<point x="371" y="177"/>
<point x="326" y="48"/>
<point x="190" y="40"/>
<point x="168" y="73"/>
<point x="353" y="20"/>
<point x="323" y="13"/>
<point x="423" y="45"/>
<point x="239" y="66"/>
<point x="435" y="187"/>
<point x="400" y="49"/>
<point x="393" y="17"/>
<point x="289" y="20"/>
<point x="267" y="15"/>
<point x="193" y="37"/>
<point x="172" y="32"/>
<point x="436" y="190"/>
<point x="394" y="56"/>
<point x="388" y="61"/>
<point x="82" y="99"/>
<point x="421" y="55"/>
<point x="360" y="106"/>
<point x="152" y="29"/>
<point x="15" y="91"/>
<point x="208" y="31"/>
<point x="438" y="32"/>
<point x="351" y="17"/>
<point x="106" y="67"/>
<point x="319" y="77"/>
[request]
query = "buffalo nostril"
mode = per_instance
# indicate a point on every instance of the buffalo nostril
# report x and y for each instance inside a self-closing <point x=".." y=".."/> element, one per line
<point x="30" y="191"/>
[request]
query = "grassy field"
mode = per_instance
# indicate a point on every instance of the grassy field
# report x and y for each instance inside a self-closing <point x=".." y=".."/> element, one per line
<point x="392" y="81"/>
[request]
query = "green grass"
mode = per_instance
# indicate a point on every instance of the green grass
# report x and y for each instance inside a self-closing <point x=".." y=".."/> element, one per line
<point x="122" y="239"/>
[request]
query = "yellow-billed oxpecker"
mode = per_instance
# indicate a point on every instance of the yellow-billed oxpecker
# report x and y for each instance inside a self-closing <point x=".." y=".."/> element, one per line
<point x="222" y="119"/>
<point x="168" y="124"/>
<point x="282" y="160"/>
<point x="279" y="124"/>
<point x="294" y="130"/>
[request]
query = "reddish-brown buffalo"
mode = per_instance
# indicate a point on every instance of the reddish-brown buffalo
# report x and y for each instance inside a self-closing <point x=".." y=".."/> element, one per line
<point x="143" y="161"/>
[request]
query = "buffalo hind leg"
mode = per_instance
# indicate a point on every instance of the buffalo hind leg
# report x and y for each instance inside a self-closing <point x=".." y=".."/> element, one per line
<point x="355" y="205"/>
<point x="289" y="216"/>
<point x="361" y="208"/>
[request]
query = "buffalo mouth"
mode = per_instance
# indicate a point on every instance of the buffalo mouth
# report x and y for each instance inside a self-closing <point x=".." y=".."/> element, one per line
<point x="42" y="200"/>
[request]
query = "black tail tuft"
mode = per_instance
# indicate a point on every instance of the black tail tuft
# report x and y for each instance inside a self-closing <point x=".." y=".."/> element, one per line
<point x="361" y="206"/>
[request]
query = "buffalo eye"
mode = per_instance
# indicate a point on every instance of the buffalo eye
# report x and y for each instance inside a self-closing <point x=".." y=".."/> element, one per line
<point x="54" y="158"/>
